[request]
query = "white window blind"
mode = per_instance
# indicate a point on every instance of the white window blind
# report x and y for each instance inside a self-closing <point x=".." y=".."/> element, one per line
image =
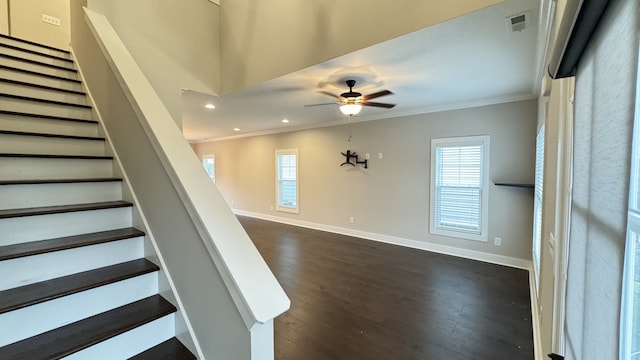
<point x="287" y="180"/>
<point x="459" y="187"/>
<point x="537" y="204"/>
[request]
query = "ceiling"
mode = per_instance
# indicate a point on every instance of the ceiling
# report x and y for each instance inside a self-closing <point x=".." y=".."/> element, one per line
<point x="467" y="61"/>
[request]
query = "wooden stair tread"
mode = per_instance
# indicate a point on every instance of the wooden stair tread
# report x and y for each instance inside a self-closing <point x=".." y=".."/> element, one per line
<point x="171" y="349"/>
<point x="58" y="209"/>
<point x="39" y="63"/>
<point x="46" y="101"/>
<point x="42" y="116"/>
<point x="76" y="336"/>
<point x="36" y="73"/>
<point x="57" y="181"/>
<point x="74" y="137"/>
<point x="33" y="52"/>
<point x="17" y="298"/>
<point x="42" y="87"/>
<point x="50" y="156"/>
<point x="34" y="43"/>
<point x="68" y="242"/>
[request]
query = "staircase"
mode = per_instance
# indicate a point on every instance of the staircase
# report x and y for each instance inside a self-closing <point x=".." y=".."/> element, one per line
<point x="74" y="281"/>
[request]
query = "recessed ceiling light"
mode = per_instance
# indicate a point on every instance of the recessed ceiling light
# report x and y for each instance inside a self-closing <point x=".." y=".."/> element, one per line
<point x="236" y="129"/>
<point x="210" y="106"/>
<point x="285" y="121"/>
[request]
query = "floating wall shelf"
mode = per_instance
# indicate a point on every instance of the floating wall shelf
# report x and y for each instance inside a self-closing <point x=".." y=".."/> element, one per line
<point x="528" y="186"/>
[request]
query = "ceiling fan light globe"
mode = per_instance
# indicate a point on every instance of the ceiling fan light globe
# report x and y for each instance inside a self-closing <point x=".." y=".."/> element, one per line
<point x="350" y="109"/>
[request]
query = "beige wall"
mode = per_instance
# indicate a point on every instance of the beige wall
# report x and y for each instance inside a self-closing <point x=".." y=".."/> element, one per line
<point x="4" y="17"/>
<point x="391" y="197"/>
<point x="175" y="43"/>
<point x="26" y="21"/>
<point x="266" y="39"/>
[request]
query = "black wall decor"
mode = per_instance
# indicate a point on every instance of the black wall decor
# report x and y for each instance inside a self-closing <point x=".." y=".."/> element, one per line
<point x="352" y="155"/>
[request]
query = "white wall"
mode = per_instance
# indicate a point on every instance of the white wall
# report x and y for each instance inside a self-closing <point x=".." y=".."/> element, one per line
<point x="175" y="43"/>
<point x="391" y="198"/>
<point x="26" y="21"/>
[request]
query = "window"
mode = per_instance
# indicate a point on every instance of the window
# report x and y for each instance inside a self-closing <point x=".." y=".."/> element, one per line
<point x="209" y="163"/>
<point x="287" y="180"/>
<point x="537" y="205"/>
<point x="459" y="187"/>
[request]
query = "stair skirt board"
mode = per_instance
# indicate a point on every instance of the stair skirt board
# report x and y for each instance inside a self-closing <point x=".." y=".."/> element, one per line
<point x="32" y="269"/>
<point x="130" y="343"/>
<point x="17" y="51"/>
<point x="52" y="194"/>
<point x="47" y="125"/>
<point x="14" y="168"/>
<point x="39" y="78"/>
<point x="19" y="324"/>
<point x="42" y="227"/>
<point x="35" y="47"/>
<point x="44" y="108"/>
<point x="20" y="88"/>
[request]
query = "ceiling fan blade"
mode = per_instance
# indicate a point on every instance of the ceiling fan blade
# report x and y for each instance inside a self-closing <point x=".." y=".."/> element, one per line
<point x="329" y="94"/>
<point x="377" y="94"/>
<point x="310" y="105"/>
<point x="377" y="104"/>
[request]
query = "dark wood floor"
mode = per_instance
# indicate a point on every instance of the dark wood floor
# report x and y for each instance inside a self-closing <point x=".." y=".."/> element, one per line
<point x="359" y="299"/>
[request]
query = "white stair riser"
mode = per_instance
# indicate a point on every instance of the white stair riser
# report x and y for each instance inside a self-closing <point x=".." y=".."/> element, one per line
<point x="41" y="227"/>
<point x="42" y="267"/>
<point x="36" y="57"/>
<point x="39" y="93"/>
<point x="35" y="195"/>
<point x="24" y="144"/>
<point x="43" y="69"/>
<point x="40" y="80"/>
<point x="37" y="48"/>
<point x="36" y="319"/>
<point x="47" y="126"/>
<point x="131" y="342"/>
<point x="55" y="168"/>
<point x="41" y="108"/>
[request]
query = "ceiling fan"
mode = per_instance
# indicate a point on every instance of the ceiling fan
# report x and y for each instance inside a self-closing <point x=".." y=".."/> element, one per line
<point x="351" y="102"/>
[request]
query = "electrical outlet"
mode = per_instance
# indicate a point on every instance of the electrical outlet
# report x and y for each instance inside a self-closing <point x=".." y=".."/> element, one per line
<point x="379" y="155"/>
<point x="497" y="241"/>
<point x="351" y="220"/>
<point x="50" y="20"/>
<point x="367" y="156"/>
<point x="271" y="207"/>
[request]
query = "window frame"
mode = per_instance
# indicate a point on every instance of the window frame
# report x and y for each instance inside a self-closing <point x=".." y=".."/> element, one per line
<point x="484" y="141"/>
<point x="290" y="209"/>
<point x="205" y="157"/>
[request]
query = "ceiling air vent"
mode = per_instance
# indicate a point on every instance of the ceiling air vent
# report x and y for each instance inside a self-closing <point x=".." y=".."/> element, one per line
<point x="517" y="23"/>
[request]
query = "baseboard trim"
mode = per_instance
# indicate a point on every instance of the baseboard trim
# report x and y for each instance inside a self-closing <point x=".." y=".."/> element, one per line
<point x="415" y="244"/>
